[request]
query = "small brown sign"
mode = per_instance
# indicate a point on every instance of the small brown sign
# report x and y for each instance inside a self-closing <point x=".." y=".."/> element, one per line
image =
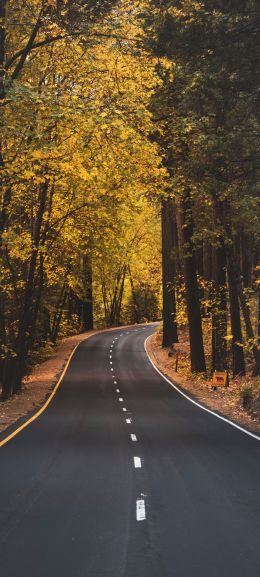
<point x="220" y="379"/>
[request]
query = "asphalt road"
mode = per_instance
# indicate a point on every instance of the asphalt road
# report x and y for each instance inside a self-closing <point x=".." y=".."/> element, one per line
<point x="146" y="486"/>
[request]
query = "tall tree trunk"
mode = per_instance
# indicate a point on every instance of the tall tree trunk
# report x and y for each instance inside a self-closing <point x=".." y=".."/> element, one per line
<point x="207" y="276"/>
<point x="6" y="362"/>
<point x="120" y="298"/>
<point x="247" y="250"/>
<point x="178" y="265"/>
<point x="24" y="329"/>
<point x="178" y="224"/>
<point x="88" y="313"/>
<point x="236" y="329"/>
<point x="117" y="297"/>
<point x="58" y="315"/>
<point x="207" y="261"/>
<point x="198" y="364"/>
<point x="5" y="190"/>
<point x="135" y="299"/>
<point x="249" y="330"/>
<point x="233" y="270"/>
<point x="219" y="309"/>
<point x="170" y="331"/>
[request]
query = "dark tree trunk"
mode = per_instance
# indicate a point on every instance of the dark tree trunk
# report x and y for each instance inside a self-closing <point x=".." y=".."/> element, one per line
<point x="5" y="190"/>
<point x="5" y="362"/>
<point x="118" y="307"/>
<point x="38" y="299"/>
<point x="46" y="324"/>
<point x="233" y="270"/>
<point x="219" y="309"/>
<point x="135" y="299"/>
<point x="88" y="313"/>
<point x="178" y="224"/>
<point x="58" y="315"/>
<point x="178" y="266"/>
<point x="249" y="330"/>
<point x="207" y="261"/>
<point x="202" y="291"/>
<point x="236" y="329"/>
<point x="25" y="322"/>
<point x="192" y="291"/>
<point x="247" y="253"/>
<point x="115" y="309"/>
<point x="207" y="276"/>
<point x="170" y="331"/>
<point x="4" y="193"/>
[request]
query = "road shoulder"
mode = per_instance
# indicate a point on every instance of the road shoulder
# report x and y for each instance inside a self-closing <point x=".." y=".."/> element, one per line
<point x="224" y="402"/>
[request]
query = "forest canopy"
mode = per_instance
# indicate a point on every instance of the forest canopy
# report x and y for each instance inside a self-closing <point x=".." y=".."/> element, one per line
<point x="124" y="123"/>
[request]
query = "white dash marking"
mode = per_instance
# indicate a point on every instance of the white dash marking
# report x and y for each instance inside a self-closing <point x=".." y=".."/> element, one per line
<point x="137" y="462"/>
<point x="111" y="362"/>
<point x="129" y="421"/>
<point x="115" y="382"/>
<point x="110" y="356"/>
<point x="140" y="510"/>
<point x="124" y="409"/>
<point x="133" y="438"/>
<point x="112" y="369"/>
<point x="118" y="390"/>
<point x="121" y="400"/>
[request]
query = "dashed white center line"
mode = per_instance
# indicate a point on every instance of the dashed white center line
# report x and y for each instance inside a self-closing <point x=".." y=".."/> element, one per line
<point x="110" y="356"/>
<point x="140" y="510"/>
<point x="118" y="390"/>
<point x="121" y="400"/>
<point x="137" y="462"/>
<point x="115" y="382"/>
<point x="133" y="437"/>
<point x="112" y="370"/>
<point x="128" y="421"/>
<point x="124" y="409"/>
<point x="111" y="362"/>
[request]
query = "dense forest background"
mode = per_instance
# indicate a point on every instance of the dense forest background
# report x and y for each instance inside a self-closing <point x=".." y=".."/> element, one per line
<point x="129" y="164"/>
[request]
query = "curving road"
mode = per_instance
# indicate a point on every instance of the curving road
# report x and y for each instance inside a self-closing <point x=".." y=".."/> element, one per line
<point x="123" y="477"/>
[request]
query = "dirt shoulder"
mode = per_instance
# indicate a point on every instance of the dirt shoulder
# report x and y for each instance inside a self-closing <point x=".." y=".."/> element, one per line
<point x="39" y="384"/>
<point x="227" y="401"/>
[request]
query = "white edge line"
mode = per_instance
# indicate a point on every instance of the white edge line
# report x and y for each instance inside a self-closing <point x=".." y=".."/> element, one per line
<point x="195" y="402"/>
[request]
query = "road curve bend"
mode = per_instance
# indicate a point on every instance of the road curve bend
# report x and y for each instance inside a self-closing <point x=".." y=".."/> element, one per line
<point x="121" y="476"/>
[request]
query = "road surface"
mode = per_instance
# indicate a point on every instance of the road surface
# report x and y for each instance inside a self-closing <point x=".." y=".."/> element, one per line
<point x="123" y="477"/>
